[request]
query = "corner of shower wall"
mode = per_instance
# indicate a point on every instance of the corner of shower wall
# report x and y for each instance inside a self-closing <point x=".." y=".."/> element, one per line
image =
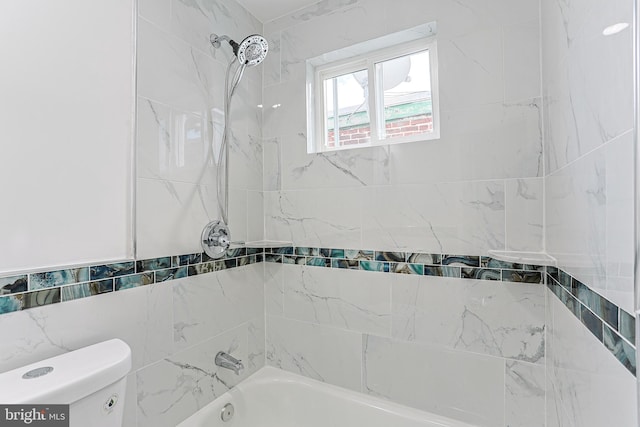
<point x="588" y="122"/>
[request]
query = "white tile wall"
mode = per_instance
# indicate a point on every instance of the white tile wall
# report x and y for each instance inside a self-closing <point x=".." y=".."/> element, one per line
<point x="433" y="343"/>
<point x="320" y="352"/>
<point x="588" y="143"/>
<point x="464" y="345"/>
<point x="456" y="384"/>
<point x="174" y="328"/>
<point x="473" y="350"/>
<point x="504" y="319"/>
<point x="297" y="216"/>
<point x="184" y="208"/>
<point x="178" y="386"/>
<point x="491" y="130"/>
<point x="588" y="87"/>
<point x="181" y="116"/>
<point x="524" y="224"/>
<point x="524" y="394"/>
<point x="173" y="345"/>
<point x="207" y="305"/>
<point x="326" y="296"/>
<point x="587" y="386"/>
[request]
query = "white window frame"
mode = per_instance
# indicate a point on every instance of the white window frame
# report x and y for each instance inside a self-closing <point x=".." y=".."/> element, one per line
<point x="368" y="62"/>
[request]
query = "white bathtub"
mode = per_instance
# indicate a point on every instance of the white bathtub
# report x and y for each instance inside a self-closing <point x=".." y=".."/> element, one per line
<point x="275" y="398"/>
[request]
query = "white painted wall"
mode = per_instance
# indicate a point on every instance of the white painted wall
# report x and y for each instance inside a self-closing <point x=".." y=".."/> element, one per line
<point x="66" y="85"/>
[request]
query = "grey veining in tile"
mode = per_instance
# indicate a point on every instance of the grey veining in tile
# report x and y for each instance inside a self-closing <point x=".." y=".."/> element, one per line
<point x="524" y="394"/>
<point x="493" y="318"/>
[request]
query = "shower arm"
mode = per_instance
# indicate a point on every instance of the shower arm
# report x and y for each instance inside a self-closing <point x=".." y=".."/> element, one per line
<point x="217" y="40"/>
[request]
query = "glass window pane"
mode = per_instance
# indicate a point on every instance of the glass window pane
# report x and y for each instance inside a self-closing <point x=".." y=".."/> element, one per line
<point x="347" y="97"/>
<point x="406" y="85"/>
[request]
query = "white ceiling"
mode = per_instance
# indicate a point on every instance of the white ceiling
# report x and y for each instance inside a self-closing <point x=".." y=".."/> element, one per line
<point x="268" y="10"/>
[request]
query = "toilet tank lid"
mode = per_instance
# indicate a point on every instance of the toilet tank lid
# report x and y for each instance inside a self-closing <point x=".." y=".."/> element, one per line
<point x="75" y="374"/>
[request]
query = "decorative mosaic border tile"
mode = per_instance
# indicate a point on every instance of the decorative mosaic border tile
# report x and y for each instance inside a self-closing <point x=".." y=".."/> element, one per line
<point x="611" y="325"/>
<point x="423" y="264"/>
<point x="29" y="290"/>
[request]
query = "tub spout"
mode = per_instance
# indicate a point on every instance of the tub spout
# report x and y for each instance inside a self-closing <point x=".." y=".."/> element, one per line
<point x="227" y="361"/>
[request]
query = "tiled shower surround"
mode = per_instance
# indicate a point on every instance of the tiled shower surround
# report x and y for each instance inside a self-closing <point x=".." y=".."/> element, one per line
<point x="413" y="309"/>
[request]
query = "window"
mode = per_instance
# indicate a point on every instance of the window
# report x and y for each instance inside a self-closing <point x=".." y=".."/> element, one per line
<point x="384" y="97"/>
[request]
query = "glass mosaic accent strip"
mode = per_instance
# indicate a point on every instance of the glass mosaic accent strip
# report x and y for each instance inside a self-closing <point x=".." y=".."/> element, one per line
<point x="83" y="290"/>
<point x="52" y="279"/>
<point x="609" y="324"/>
<point x="23" y="291"/>
<point x="98" y="272"/>
<point x="182" y="260"/>
<point x="135" y="280"/>
<point x="171" y="274"/>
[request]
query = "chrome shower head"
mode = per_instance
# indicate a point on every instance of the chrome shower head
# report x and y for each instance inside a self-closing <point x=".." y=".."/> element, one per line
<point x="251" y="51"/>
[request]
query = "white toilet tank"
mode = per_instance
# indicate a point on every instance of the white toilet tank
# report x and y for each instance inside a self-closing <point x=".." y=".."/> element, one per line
<point x="92" y="380"/>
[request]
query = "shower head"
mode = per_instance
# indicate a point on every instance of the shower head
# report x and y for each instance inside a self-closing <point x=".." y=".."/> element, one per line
<point x="251" y="51"/>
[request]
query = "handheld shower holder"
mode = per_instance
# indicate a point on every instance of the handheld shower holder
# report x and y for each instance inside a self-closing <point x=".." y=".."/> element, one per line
<point x="216" y="237"/>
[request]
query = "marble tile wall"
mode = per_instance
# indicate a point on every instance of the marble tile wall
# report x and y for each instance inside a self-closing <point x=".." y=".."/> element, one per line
<point x="452" y="346"/>
<point x="174" y="329"/>
<point x="482" y="186"/>
<point x="479" y="187"/>
<point x="588" y="87"/>
<point x="588" y="123"/>
<point x="180" y="120"/>
<point x="584" y="387"/>
<point x="174" y="317"/>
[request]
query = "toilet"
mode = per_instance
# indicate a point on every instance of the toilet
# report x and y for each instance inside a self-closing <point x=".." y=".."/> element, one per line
<point x="92" y="380"/>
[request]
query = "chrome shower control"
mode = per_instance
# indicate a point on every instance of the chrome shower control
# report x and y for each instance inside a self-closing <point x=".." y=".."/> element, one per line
<point x="216" y="239"/>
